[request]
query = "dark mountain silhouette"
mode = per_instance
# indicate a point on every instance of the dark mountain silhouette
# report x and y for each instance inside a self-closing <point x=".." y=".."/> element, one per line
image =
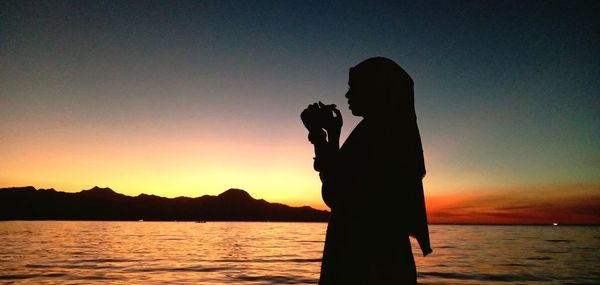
<point x="28" y="203"/>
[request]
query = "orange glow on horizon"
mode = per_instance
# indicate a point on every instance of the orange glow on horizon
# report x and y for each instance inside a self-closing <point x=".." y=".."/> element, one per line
<point x="154" y="162"/>
<point x="564" y="204"/>
<point x="274" y="167"/>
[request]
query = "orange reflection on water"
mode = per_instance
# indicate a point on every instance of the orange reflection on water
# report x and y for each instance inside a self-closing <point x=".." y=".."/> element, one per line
<point x="55" y="252"/>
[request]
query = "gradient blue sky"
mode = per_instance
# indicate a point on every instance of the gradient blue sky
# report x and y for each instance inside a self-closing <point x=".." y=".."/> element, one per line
<point x="193" y="97"/>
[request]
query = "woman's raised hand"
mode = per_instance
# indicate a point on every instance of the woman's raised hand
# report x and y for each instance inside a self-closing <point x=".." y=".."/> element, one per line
<point x="331" y="119"/>
<point x="321" y="116"/>
<point x="311" y="117"/>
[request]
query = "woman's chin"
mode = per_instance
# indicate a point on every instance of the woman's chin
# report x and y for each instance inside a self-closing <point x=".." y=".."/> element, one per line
<point x="356" y="113"/>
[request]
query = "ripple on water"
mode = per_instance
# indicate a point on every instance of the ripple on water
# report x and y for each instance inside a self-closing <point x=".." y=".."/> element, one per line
<point x="513" y="264"/>
<point x="539" y="258"/>
<point x="28" y="276"/>
<point x="107" y="260"/>
<point x="178" y="269"/>
<point x="277" y="279"/>
<point x="296" y="260"/>
<point x="559" y="240"/>
<point x="486" y="277"/>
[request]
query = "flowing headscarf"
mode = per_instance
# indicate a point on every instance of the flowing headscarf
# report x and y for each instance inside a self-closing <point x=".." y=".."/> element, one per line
<point x="394" y="89"/>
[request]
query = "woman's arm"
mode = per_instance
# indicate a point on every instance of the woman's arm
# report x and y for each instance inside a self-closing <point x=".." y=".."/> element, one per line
<point x="327" y="163"/>
<point x="324" y="123"/>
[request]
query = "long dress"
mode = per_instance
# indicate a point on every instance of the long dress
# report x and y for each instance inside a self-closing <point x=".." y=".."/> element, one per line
<point x="376" y="202"/>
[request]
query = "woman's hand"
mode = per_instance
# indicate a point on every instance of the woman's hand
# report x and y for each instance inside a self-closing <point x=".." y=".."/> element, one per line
<point x="311" y="117"/>
<point x="332" y="119"/>
<point x="318" y="118"/>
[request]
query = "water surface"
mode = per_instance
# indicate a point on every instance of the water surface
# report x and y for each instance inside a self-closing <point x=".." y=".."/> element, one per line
<point x="67" y="252"/>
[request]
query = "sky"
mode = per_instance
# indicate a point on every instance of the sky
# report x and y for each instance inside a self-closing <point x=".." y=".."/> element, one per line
<point x="186" y="98"/>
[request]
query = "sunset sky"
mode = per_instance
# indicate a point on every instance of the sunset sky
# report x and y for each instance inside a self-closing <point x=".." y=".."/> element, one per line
<point x="186" y="98"/>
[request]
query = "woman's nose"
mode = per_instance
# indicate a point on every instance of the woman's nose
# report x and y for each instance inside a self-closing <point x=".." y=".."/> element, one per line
<point x="347" y="94"/>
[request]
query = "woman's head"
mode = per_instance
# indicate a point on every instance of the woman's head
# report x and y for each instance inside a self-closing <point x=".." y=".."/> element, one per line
<point x="380" y="87"/>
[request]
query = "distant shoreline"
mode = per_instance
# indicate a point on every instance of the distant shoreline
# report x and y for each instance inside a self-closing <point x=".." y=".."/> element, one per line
<point x="167" y="221"/>
<point x="104" y="204"/>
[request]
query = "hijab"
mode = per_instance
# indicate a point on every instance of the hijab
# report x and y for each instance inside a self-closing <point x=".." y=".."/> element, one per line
<point x="394" y="104"/>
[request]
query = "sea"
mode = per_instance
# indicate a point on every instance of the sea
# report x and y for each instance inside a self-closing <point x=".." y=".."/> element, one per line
<point x="91" y="252"/>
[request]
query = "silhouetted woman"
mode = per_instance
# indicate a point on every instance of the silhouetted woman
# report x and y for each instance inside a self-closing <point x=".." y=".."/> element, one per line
<point x="373" y="182"/>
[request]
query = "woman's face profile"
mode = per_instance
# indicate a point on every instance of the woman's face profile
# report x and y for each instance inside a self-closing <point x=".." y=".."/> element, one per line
<point x="358" y="95"/>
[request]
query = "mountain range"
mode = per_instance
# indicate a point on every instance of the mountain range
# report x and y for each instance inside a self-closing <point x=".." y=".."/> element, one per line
<point x="29" y="203"/>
